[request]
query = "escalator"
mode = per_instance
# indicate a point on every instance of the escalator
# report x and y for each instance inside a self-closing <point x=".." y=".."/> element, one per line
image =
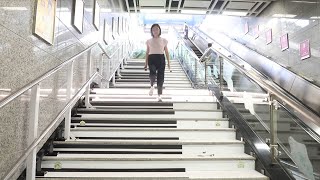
<point x="248" y="93"/>
<point x="194" y="48"/>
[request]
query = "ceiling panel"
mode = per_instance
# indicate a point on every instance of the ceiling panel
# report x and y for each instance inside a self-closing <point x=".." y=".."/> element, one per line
<point x="195" y="4"/>
<point x="152" y="3"/>
<point x="249" y="7"/>
<point x="240" y="5"/>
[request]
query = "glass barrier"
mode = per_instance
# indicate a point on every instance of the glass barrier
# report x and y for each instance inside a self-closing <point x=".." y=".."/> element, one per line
<point x="299" y="152"/>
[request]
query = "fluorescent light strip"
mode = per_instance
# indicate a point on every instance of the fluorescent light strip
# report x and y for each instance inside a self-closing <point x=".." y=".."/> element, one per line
<point x="315" y="17"/>
<point x="14" y="8"/>
<point x="105" y="10"/>
<point x="186" y="11"/>
<point x="234" y="13"/>
<point x="284" y="15"/>
<point x="153" y="11"/>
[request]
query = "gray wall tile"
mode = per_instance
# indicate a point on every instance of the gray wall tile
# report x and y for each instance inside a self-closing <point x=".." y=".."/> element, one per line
<point x="24" y="57"/>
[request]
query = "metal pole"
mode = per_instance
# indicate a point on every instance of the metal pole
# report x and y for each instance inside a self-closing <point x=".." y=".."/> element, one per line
<point x="205" y="73"/>
<point x="100" y="71"/>
<point x="195" y="71"/>
<point x="87" y="102"/>
<point x="67" y="122"/>
<point x="221" y="73"/>
<point x="33" y="130"/>
<point x="108" y="70"/>
<point x="274" y="115"/>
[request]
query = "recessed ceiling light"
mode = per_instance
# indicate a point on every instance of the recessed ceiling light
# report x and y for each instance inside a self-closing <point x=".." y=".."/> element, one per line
<point x="234" y="13"/>
<point x="186" y="11"/>
<point x="284" y="15"/>
<point x="14" y="8"/>
<point x="153" y="11"/>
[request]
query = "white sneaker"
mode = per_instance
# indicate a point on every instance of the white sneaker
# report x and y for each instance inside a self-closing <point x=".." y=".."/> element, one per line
<point x="159" y="99"/>
<point x="151" y="91"/>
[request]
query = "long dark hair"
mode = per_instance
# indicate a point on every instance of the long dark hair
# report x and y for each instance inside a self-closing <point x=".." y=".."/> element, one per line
<point x="155" y="25"/>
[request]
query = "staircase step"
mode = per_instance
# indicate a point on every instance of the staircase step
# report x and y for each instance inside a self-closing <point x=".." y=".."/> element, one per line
<point x="151" y="146"/>
<point x="152" y="100"/>
<point x="192" y="106"/>
<point x="152" y="124"/>
<point x="178" y="114"/>
<point x="191" y="92"/>
<point x="147" y="85"/>
<point x="182" y="134"/>
<point x="192" y="175"/>
<point x="143" y="162"/>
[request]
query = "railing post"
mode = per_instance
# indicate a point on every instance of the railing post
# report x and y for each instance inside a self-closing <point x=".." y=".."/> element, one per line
<point x="274" y="115"/>
<point x="67" y="122"/>
<point x="100" y="69"/>
<point x="108" y="70"/>
<point x="33" y="130"/>
<point x="221" y="73"/>
<point x="195" y="70"/>
<point x="205" y="73"/>
<point x="87" y="101"/>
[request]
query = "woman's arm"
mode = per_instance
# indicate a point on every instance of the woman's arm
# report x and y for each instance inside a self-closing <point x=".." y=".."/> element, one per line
<point x="167" y="55"/>
<point x="147" y="55"/>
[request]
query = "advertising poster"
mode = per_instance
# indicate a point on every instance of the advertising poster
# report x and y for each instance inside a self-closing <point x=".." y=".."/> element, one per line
<point x="44" y="25"/>
<point x="96" y="15"/>
<point x="78" y="11"/>
<point x="269" y="36"/>
<point x="284" y="42"/>
<point x="305" y="49"/>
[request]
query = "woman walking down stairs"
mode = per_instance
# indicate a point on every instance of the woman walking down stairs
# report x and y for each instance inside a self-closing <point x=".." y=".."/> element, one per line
<point x="130" y="135"/>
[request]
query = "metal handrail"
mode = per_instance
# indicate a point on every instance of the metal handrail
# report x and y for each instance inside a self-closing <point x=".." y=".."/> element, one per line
<point x="187" y="47"/>
<point x="278" y="91"/>
<point x="17" y="93"/>
<point x="53" y="123"/>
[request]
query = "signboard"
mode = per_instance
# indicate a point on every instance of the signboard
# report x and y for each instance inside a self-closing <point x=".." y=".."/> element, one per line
<point x="305" y="49"/>
<point x="284" y="42"/>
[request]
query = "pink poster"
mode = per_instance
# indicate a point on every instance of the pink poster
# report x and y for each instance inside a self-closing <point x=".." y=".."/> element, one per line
<point x="305" y="49"/>
<point x="256" y="32"/>
<point x="269" y="36"/>
<point x="246" y="28"/>
<point x="284" y="42"/>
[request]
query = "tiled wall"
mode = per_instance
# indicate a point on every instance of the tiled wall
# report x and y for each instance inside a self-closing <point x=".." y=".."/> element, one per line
<point x="301" y="27"/>
<point x="24" y="57"/>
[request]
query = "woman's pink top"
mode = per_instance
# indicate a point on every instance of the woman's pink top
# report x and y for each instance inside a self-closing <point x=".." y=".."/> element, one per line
<point x="156" y="45"/>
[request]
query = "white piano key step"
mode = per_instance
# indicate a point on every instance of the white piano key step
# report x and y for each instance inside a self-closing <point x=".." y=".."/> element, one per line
<point x="183" y="134"/>
<point x="151" y="161"/>
<point x="178" y="114"/>
<point x="191" y="175"/>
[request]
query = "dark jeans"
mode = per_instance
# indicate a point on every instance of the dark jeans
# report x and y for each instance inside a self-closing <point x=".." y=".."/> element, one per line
<point x="157" y="64"/>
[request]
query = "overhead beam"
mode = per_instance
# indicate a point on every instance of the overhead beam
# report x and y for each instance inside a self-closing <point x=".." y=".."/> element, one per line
<point x="223" y="6"/>
<point x="264" y="6"/>
<point x="213" y="5"/>
<point x="128" y="8"/>
<point x="169" y="6"/>
<point x="135" y="6"/>
<point x="254" y="8"/>
<point x="179" y="6"/>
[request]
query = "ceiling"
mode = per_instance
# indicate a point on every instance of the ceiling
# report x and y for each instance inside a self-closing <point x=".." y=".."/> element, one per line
<point x="227" y="7"/>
